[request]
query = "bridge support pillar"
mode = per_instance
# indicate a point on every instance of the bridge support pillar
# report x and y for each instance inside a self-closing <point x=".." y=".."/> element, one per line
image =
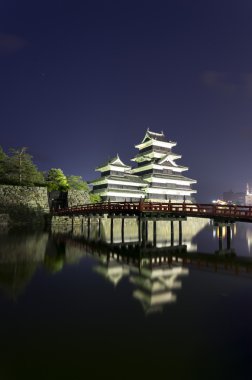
<point x="111" y="229"/>
<point x="88" y="232"/>
<point x="82" y="224"/>
<point x="180" y="232"/>
<point x="122" y="228"/>
<point x="172" y="232"/>
<point x="144" y="231"/>
<point x="139" y="230"/>
<point x="154" y="233"/>
<point x="99" y="227"/>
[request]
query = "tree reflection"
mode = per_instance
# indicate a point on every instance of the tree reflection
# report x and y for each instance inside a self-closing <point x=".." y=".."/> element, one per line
<point x="21" y="253"/>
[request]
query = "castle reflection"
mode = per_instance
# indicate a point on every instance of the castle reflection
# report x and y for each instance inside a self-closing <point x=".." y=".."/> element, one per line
<point x="154" y="272"/>
<point x="155" y="264"/>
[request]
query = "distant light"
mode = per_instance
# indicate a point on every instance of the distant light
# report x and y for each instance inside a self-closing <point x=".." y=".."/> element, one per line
<point x="219" y="202"/>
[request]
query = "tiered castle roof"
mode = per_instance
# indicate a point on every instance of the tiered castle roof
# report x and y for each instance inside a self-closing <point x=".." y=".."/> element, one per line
<point x="156" y="164"/>
<point x="156" y="177"/>
<point x="117" y="183"/>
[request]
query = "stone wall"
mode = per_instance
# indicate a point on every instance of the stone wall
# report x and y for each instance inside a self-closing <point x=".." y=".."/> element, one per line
<point x="24" y="204"/>
<point x="21" y="205"/>
<point x="77" y="197"/>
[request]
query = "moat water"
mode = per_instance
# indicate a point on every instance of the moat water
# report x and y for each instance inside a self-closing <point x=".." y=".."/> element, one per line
<point x="75" y="307"/>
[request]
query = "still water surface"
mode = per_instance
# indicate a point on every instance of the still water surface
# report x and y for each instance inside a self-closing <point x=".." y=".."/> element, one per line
<point x="75" y="309"/>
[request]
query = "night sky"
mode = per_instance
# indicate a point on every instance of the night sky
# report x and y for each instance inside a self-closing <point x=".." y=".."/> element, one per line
<point x="82" y="80"/>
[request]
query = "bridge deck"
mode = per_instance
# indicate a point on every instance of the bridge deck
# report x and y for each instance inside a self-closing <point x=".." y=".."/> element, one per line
<point x="154" y="209"/>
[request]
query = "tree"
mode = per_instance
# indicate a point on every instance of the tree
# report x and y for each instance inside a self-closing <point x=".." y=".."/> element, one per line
<point x="3" y="170"/>
<point x="56" y="180"/>
<point x="76" y="182"/>
<point x="94" y="198"/>
<point x="20" y="168"/>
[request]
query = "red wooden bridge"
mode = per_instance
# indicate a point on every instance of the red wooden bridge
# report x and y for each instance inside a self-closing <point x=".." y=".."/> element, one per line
<point x="229" y="213"/>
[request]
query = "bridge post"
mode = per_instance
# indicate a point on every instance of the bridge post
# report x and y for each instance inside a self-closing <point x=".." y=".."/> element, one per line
<point x="99" y="227"/>
<point x="82" y="225"/>
<point x="72" y="224"/>
<point x="172" y="232"/>
<point x="146" y="230"/>
<point x="88" y="228"/>
<point x="143" y="230"/>
<point x="154" y="233"/>
<point x="180" y="232"/>
<point x="122" y="229"/>
<point x="141" y="204"/>
<point x="111" y="229"/>
<point x="139" y="229"/>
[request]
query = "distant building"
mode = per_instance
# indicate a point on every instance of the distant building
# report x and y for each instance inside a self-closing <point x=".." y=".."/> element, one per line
<point x="232" y="197"/>
<point x="248" y="197"/>
<point x="157" y="176"/>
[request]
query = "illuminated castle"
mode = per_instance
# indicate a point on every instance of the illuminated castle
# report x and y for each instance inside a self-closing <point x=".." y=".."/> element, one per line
<point x="157" y="176"/>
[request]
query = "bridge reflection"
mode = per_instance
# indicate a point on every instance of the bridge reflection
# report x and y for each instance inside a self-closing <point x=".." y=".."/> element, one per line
<point x="155" y="270"/>
<point x="156" y="265"/>
<point x="155" y="273"/>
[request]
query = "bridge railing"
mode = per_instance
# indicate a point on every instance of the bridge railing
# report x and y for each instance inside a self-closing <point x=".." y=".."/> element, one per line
<point x="187" y="209"/>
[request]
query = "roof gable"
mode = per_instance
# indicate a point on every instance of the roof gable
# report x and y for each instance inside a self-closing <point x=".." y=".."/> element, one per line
<point x="117" y="162"/>
<point x="153" y="135"/>
<point x="167" y="158"/>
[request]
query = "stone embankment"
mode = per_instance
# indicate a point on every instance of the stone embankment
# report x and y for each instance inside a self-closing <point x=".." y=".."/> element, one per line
<point x="21" y="205"/>
<point x="74" y="198"/>
<point x="77" y="197"/>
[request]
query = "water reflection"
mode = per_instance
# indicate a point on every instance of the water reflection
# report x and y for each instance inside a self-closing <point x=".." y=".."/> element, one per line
<point x="156" y="285"/>
<point x="249" y="240"/>
<point x="20" y="255"/>
<point x="155" y="272"/>
<point x="154" y="265"/>
<point x="78" y="299"/>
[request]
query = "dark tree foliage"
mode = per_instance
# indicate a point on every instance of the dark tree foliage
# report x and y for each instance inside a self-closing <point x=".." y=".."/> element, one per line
<point x="94" y="198"/>
<point x="17" y="168"/>
<point x="77" y="183"/>
<point x="21" y="170"/>
<point x="56" y="180"/>
<point x="3" y="169"/>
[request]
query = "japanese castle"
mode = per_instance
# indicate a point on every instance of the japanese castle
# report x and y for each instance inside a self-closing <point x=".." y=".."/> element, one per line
<point x="156" y="176"/>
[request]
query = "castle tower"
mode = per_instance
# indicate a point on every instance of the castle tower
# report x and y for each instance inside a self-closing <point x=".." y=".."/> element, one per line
<point x="157" y="166"/>
<point x="117" y="183"/>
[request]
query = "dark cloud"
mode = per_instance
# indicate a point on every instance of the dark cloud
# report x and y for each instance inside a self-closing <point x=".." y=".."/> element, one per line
<point x="11" y="44"/>
<point x="227" y="83"/>
<point x="218" y="80"/>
